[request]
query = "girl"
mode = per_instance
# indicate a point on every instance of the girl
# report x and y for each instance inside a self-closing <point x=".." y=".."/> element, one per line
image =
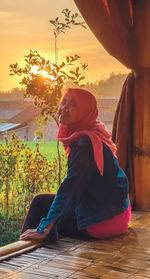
<point x="93" y="198"/>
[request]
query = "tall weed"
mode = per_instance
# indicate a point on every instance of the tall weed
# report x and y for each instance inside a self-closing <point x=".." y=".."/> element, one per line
<point x="24" y="172"/>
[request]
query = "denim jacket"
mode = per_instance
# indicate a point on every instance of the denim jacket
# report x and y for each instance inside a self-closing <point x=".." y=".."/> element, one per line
<point x="93" y="197"/>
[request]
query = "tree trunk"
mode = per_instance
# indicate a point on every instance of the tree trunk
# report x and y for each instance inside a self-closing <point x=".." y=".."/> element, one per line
<point x="58" y="153"/>
<point x="59" y="163"/>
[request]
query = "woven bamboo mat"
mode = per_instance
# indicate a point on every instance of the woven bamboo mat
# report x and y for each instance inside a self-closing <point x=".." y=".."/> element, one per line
<point x="127" y="256"/>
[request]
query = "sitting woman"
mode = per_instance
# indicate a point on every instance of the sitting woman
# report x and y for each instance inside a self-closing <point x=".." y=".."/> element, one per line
<point x="93" y="198"/>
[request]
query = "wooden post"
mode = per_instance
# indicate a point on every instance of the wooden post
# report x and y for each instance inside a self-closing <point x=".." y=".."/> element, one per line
<point x="141" y="141"/>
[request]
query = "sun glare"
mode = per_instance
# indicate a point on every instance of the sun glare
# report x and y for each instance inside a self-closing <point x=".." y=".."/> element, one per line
<point x="35" y="70"/>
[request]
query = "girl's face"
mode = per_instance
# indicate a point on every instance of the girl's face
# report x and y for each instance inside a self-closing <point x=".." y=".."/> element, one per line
<point x="68" y="110"/>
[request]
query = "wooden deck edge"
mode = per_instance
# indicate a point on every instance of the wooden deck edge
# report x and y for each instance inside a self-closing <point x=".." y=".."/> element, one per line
<point x="17" y="247"/>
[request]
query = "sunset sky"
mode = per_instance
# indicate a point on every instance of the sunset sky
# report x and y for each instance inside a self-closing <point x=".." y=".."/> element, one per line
<point x="25" y="25"/>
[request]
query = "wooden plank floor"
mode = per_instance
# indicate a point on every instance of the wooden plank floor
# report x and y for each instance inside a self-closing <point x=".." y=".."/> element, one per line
<point x="126" y="256"/>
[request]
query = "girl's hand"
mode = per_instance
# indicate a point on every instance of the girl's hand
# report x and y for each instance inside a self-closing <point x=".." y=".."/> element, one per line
<point x="32" y="234"/>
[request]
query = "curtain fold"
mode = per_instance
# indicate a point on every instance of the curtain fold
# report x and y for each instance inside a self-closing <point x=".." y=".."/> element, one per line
<point x="122" y="133"/>
<point x="112" y="23"/>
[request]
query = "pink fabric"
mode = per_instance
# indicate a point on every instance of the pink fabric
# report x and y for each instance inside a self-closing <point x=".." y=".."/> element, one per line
<point x="112" y="227"/>
<point x="86" y="124"/>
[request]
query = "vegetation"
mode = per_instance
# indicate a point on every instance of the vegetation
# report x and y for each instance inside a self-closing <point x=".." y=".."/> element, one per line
<point x="15" y="94"/>
<point x="47" y="149"/>
<point x="24" y="172"/>
<point x="46" y="83"/>
<point x="110" y="87"/>
<point x="44" y="80"/>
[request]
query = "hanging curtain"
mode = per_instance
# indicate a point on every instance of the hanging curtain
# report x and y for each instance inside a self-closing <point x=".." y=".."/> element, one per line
<point x="112" y="23"/>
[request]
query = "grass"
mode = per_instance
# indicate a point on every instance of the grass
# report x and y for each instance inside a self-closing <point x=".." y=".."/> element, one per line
<point x="48" y="149"/>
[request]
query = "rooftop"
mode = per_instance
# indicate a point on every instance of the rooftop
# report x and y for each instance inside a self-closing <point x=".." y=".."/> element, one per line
<point x="20" y="119"/>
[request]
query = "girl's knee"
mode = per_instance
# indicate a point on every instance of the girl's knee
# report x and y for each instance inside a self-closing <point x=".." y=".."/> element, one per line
<point x="42" y="200"/>
<point x="36" y="200"/>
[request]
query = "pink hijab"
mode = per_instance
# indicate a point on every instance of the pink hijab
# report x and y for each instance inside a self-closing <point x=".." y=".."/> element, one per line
<point x="86" y="124"/>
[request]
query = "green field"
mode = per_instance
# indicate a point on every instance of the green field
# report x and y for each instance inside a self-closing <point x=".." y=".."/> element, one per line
<point x="48" y="149"/>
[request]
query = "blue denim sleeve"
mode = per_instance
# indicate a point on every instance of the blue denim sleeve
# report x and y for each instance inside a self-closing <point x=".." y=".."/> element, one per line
<point x="79" y="173"/>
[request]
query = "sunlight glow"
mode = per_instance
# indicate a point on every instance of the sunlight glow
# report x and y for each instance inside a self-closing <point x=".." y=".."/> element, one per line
<point x="35" y="70"/>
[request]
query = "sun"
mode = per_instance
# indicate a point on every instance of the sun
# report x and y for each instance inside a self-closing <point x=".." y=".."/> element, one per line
<point x="35" y="70"/>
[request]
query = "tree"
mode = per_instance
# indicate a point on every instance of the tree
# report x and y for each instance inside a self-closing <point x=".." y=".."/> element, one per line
<point x="46" y="85"/>
<point x="61" y="27"/>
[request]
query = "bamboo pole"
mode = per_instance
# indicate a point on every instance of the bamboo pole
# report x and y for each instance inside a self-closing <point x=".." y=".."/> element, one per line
<point x="141" y="140"/>
<point x="17" y="247"/>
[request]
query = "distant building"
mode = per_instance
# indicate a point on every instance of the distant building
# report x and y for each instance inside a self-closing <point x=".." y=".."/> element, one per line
<point x="23" y="123"/>
<point x="8" y="109"/>
<point x="106" y="110"/>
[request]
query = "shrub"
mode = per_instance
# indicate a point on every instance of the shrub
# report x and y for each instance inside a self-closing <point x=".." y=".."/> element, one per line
<point x="23" y="174"/>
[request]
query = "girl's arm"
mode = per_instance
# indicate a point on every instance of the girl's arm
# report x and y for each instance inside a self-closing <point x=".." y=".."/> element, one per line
<point x="33" y="234"/>
<point x="79" y="173"/>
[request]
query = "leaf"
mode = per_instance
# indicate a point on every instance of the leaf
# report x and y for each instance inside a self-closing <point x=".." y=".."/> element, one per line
<point x="52" y="21"/>
<point x="72" y="78"/>
<point x="84" y="26"/>
<point x="67" y="58"/>
<point x="76" y="82"/>
<point x="62" y="65"/>
<point x="81" y="78"/>
<point x="72" y="72"/>
<point x="64" y="73"/>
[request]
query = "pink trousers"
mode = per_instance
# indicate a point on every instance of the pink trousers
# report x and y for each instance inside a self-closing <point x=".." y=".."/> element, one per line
<point x="112" y="227"/>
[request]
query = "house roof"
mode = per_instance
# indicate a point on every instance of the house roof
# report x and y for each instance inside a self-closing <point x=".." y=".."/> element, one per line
<point x="21" y="119"/>
<point x="26" y="115"/>
<point x="8" y="126"/>
<point x="14" y="105"/>
<point x="7" y="114"/>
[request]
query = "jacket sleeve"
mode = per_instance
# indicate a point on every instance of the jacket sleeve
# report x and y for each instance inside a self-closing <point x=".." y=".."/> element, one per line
<point x="79" y="173"/>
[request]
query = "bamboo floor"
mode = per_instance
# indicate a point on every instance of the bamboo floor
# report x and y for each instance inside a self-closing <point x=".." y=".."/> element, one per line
<point x="126" y="256"/>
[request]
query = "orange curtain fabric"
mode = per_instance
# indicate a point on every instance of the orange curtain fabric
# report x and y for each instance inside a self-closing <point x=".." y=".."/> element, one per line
<point x="112" y="23"/>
